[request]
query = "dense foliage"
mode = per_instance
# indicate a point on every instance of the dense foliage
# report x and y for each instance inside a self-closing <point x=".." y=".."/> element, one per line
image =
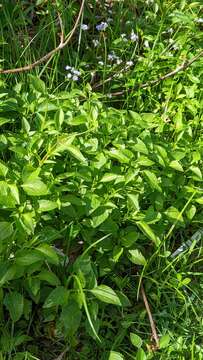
<point x="98" y="190"/>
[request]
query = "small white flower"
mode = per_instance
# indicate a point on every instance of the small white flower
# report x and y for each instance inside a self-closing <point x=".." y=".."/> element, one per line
<point x="102" y="26"/>
<point x="101" y="63"/>
<point x="84" y="27"/>
<point x="111" y="57"/>
<point x="133" y="36"/>
<point x="76" y="72"/>
<point x="68" y="67"/>
<point x="123" y="36"/>
<point x="75" y="78"/>
<point x="95" y="42"/>
<point x="170" y="30"/>
<point x="118" y="61"/>
<point x="69" y="76"/>
<point x="199" y="21"/>
<point x="129" y="63"/>
<point x="146" y="43"/>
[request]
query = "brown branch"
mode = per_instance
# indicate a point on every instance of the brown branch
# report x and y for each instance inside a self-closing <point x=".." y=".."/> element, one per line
<point x="179" y="68"/>
<point x="63" y="42"/>
<point x="151" y="320"/>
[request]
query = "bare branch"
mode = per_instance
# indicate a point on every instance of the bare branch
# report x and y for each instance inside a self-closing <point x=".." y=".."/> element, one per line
<point x="63" y="43"/>
<point x="151" y="320"/>
<point x="186" y="64"/>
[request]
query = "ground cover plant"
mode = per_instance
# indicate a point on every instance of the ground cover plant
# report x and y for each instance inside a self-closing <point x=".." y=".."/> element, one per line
<point x="101" y="180"/>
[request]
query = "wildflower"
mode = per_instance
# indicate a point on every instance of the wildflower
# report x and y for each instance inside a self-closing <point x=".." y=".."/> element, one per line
<point x="123" y="36"/>
<point x="118" y="61"/>
<point x="199" y="21"/>
<point x="101" y="63"/>
<point x="75" y="78"/>
<point x="76" y="72"/>
<point x="129" y="63"/>
<point x="84" y="27"/>
<point x="146" y="43"/>
<point x="95" y="42"/>
<point x="102" y="26"/>
<point x="69" y="76"/>
<point x="68" y="67"/>
<point x="111" y="56"/>
<point x="133" y="36"/>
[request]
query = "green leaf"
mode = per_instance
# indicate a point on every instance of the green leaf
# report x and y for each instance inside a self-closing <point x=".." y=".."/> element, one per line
<point x="118" y="155"/>
<point x="176" y="165"/>
<point x="109" y="177"/>
<point x="136" y="340"/>
<point x="35" y="187"/>
<point x="14" y="303"/>
<point x="152" y="179"/>
<point x="75" y="152"/>
<point x="99" y="216"/>
<point x="49" y="277"/>
<point x="4" y="121"/>
<point x="3" y="169"/>
<point x="174" y="214"/>
<point x="134" y="201"/>
<point x="28" y="257"/>
<point x="141" y="147"/>
<point x="59" y="118"/>
<point x="114" y="355"/>
<point x="49" y="253"/>
<point x="71" y="317"/>
<point x="146" y="229"/>
<point x="141" y="355"/>
<point x="6" y="230"/>
<point x="106" y="294"/>
<point x="58" y="296"/>
<point x="136" y="257"/>
<point x="37" y="83"/>
<point x="164" y="341"/>
<point x="47" y="205"/>
<point x="196" y="171"/>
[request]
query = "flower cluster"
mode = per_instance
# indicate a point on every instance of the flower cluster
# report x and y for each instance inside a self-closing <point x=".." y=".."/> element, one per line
<point x="114" y="58"/>
<point x="73" y="74"/>
<point x="102" y="26"/>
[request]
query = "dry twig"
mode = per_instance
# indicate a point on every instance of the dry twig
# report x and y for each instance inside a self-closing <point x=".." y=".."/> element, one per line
<point x="63" y="42"/>
<point x="151" y="320"/>
<point x="179" y="68"/>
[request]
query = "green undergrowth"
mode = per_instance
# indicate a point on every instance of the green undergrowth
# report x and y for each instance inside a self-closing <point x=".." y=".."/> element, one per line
<point x="98" y="191"/>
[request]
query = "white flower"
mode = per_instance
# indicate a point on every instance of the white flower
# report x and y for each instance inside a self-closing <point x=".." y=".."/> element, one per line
<point x="76" y="72"/>
<point x="129" y="63"/>
<point x="84" y="27"/>
<point x="95" y="42"/>
<point x="199" y="21"/>
<point x="123" y="36"/>
<point x="146" y="43"/>
<point x="101" y="63"/>
<point x="111" y="56"/>
<point x="75" y="78"/>
<point x="118" y="61"/>
<point x="133" y="36"/>
<point x="69" y="76"/>
<point x="102" y="26"/>
<point x="68" y="67"/>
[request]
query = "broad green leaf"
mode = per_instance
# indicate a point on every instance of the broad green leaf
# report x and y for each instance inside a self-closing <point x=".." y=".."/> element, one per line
<point x="75" y="152"/>
<point x="152" y="179"/>
<point x="174" y="214"/>
<point x="134" y="201"/>
<point x="114" y="355"/>
<point x="136" y="340"/>
<point x="199" y="200"/>
<point x="106" y="294"/>
<point x="7" y="272"/>
<point x="35" y="187"/>
<point x="4" y="121"/>
<point x="13" y="301"/>
<point x="59" y="118"/>
<point x="49" y="277"/>
<point x="191" y="211"/>
<point x="3" y="169"/>
<point x="28" y="257"/>
<point x="140" y="147"/>
<point x="176" y="165"/>
<point x="47" y="205"/>
<point x="99" y="216"/>
<point x="146" y="229"/>
<point x="136" y="257"/>
<point x="49" y="253"/>
<point x="71" y="317"/>
<point x="6" y="230"/>
<point x="58" y="296"/>
<point x="118" y="155"/>
<point x="141" y="355"/>
<point x="164" y="341"/>
<point x="196" y="171"/>
<point x="109" y="177"/>
<point x="14" y="193"/>
<point x="8" y="198"/>
<point x="37" y="83"/>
